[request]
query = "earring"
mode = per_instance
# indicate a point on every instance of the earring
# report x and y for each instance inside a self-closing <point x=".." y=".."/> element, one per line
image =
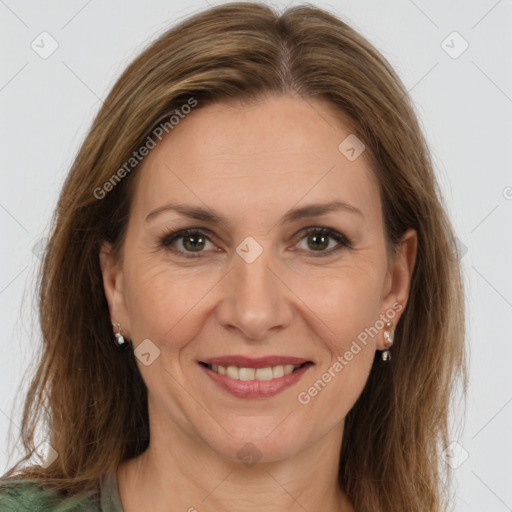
<point x="389" y="338"/>
<point x="119" y="341"/>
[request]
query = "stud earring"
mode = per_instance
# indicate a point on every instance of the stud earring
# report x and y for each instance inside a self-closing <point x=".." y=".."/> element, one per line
<point x="119" y="338"/>
<point x="389" y="338"/>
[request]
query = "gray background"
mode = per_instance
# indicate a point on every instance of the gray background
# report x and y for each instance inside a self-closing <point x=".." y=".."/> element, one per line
<point x="465" y="107"/>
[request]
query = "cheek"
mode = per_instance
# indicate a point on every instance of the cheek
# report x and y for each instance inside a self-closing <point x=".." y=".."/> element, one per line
<point x="351" y="316"/>
<point x="334" y="389"/>
<point x="345" y="302"/>
<point x="347" y="311"/>
<point x="164" y="302"/>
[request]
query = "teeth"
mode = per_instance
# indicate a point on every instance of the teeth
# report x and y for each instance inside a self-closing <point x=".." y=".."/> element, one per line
<point x="268" y="373"/>
<point x="277" y="371"/>
<point x="264" y="373"/>
<point x="246" y="373"/>
<point x="232" y="372"/>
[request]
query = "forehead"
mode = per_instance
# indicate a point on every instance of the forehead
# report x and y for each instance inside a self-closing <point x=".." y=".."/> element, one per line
<point x="270" y="153"/>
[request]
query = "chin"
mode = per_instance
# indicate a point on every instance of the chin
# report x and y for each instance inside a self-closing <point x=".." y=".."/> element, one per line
<point x="257" y="441"/>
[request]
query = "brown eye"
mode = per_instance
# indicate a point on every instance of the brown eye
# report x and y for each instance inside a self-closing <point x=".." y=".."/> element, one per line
<point x="192" y="241"/>
<point x="319" y="239"/>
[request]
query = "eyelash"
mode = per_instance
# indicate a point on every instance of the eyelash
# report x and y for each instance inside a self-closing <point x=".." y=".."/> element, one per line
<point x="169" y="238"/>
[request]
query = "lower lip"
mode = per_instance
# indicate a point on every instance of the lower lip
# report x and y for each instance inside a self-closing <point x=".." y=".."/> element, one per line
<point x="256" y="388"/>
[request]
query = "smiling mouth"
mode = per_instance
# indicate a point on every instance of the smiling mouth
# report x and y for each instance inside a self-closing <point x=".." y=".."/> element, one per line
<point x="255" y="374"/>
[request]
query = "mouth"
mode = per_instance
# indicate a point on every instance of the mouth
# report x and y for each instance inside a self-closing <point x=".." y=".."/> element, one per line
<point x="260" y="374"/>
<point x="253" y="380"/>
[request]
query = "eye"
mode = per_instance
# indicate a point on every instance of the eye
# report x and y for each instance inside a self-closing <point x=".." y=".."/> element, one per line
<point x="191" y="241"/>
<point x="194" y="241"/>
<point x="319" y="239"/>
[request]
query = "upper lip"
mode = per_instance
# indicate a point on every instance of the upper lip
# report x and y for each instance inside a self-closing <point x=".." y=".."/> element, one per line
<point x="254" y="362"/>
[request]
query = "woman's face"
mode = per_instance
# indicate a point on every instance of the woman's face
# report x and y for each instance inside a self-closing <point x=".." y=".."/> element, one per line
<point x="256" y="284"/>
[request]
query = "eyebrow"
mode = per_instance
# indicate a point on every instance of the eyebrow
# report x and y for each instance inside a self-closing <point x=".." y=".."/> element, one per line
<point x="206" y="214"/>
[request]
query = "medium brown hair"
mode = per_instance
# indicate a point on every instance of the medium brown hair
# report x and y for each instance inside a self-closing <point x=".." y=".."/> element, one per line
<point x="92" y="399"/>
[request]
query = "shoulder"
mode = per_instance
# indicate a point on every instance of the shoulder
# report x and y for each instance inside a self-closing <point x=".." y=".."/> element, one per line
<point x="29" y="496"/>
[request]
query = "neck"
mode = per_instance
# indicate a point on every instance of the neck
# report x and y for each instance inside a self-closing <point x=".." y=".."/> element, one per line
<point x="179" y="470"/>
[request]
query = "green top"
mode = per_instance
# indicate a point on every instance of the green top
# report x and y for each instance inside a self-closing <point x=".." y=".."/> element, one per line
<point x="29" y="496"/>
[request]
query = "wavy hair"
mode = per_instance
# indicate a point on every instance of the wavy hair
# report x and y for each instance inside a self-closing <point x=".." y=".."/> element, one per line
<point x="245" y="51"/>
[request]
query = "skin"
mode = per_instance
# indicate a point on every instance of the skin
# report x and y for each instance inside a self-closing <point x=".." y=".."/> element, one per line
<point x="251" y="163"/>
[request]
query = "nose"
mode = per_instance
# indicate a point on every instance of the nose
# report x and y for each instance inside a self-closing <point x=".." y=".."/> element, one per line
<point x="255" y="299"/>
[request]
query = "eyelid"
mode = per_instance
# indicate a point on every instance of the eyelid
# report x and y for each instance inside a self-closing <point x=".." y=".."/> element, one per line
<point x="333" y="233"/>
<point x="180" y="233"/>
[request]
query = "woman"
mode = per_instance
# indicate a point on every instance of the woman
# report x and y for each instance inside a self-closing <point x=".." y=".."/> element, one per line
<point x="249" y="299"/>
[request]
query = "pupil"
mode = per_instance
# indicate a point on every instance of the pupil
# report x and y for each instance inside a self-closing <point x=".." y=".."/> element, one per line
<point x="194" y="246"/>
<point x="324" y="240"/>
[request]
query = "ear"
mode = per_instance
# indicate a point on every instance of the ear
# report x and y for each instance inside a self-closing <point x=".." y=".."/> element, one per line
<point x="113" y="284"/>
<point x="398" y="279"/>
